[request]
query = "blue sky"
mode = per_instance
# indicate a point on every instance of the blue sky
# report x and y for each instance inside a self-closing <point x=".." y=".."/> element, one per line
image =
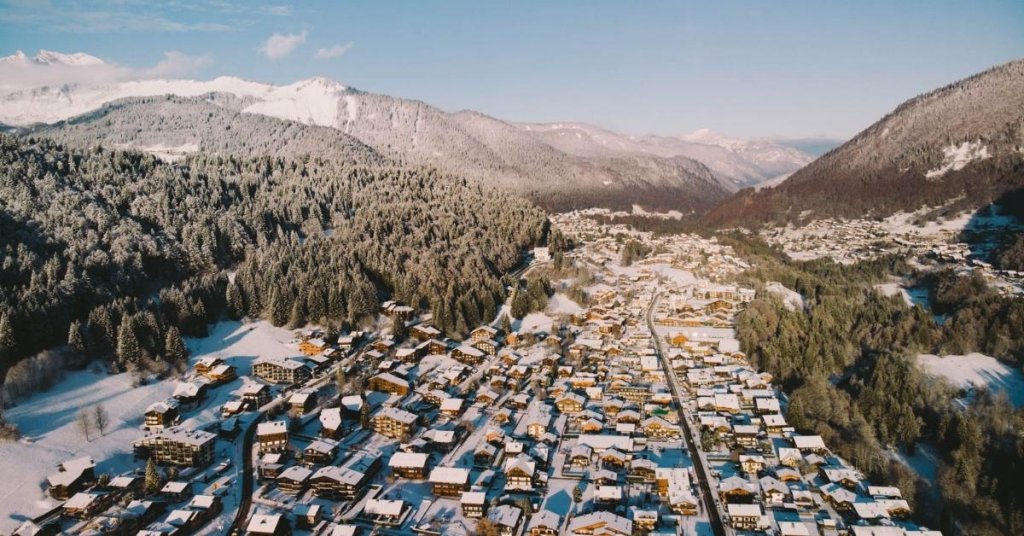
<point x="754" y="69"/>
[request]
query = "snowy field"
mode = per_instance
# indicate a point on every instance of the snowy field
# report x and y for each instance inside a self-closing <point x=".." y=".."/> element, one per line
<point x="790" y="298"/>
<point x="977" y="370"/>
<point x="51" y="434"/>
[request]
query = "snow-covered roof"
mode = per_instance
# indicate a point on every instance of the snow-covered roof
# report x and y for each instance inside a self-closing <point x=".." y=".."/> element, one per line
<point x="449" y="475"/>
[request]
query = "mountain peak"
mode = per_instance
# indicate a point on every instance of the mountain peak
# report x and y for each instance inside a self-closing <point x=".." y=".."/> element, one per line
<point x="49" y="57"/>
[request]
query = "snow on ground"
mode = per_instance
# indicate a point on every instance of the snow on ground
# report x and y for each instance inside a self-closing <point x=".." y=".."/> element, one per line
<point x="895" y="288"/>
<point x="535" y="323"/>
<point x="977" y="370"/>
<point x="956" y="157"/>
<point x="560" y="304"/>
<point x="51" y="434"/>
<point x="924" y="461"/>
<point x="167" y="153"/>
<point x="790" y="298"/>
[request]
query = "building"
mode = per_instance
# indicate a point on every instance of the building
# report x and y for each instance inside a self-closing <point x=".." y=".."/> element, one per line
<point x="468" y="355"/>
<point x="601" y="523"/>
<point x="388" y="383"/>
<point x="449" y="481"/>
<point x="473" y="503"/>
<point x="393" y="422"/>
<point x="544" y="523"/>
<point x="268" y="525"/>
<point x="294" y="480"/>
<point x="162" y="415"/>
<point x="84" y="505"/>
<point x="272" y="436"/>
<point x="177" y="446"/>
<point x="71" y="477"/>
<point x="255" y="395"/>
<point x="411" y="465"/>
<point x="744" y="516"/>
<point x="506" y="518"/>
<point x="286" y="371"/>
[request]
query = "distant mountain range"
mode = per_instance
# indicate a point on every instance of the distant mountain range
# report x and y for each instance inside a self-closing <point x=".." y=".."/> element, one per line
<point x="954" y="148"/>
<point x="559" y="166"/>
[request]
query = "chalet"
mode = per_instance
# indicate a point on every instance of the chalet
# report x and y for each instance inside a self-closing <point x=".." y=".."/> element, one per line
<point x="613" y="458"/>
<point x="85" y="505"/>
<point x="222" y="374"/>
<point x="486" y="396"/>
<point x="506" y="518"/>
<point x="484" y="454"/>
<point x="272" y="436"/>
<point x="161" y="415"/>
<point x="255" y="395"/>
<point x="744" y="516"/>
<point x="519" y="472"/>
<point x="570" y="403"/>
<point x="810" y="443"/>
<point x="320" y="452"/>
<point x="271" y="464"/>
<point x="174" y="491"/>
<point x="451" y="407"/>
<point x="774" y="423"/>
<point x="268" y="525"/>
<point x="468" y="355"/>
<point x="384" y="511"/>
<point x="388" y="383"/>
<point x="544" y="523"/>
<point x="487" y="346"/>
<point x="393" y="422"/>
<point x="644" y="520"/>
<point x="302" y="402"/>
<point x="746" y="435"/>
<point x="658" y="428"/>
<point x="425" y="332"/>
<point x="71" y="477"/>
<point x="411" y="465"/>
<point x="608" y="494"/>
<point x="177" y="446"/>
<point x="449" y="481"/>
<point x="126" y="486"/>
<point x="275" y="370"/>
<point x="436" y="347"/>
<point x="294" y="480"/>
<point x="580" y="455"/>
<point x="205" y="364"/>
<point x="190" y="394"/>
<point x="313" y="346"/>
<point x="601" y="524"/>
<point x="483" y="333"/>
<point x="306" y="516"/>
<point x="473" y="503"/>
<point x="736" y="487"/>
<point x="345" y="482"/>
<point x="773" y="490"/>
<point x="330" y="423"/>
<point x="751" y="463"/>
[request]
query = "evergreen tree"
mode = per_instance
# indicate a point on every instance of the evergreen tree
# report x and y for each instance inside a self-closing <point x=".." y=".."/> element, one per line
<point x="152" y="482"/>
<point x="175" y="350"/>
<point x="129" y="353"/>
<point x="506" y="323"/>
<point x="233" y="298"/>
<point x="8" y="344"/>
<point x="76" y="339"/>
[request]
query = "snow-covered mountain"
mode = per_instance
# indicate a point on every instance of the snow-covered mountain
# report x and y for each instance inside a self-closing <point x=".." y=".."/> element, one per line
<point x="737" y="163"/>
<point x="48" y="57"/>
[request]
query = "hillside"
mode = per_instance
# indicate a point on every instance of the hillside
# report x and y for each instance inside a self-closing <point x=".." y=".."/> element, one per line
<point x="737" y="163"/>
<point x="957" y="147"/>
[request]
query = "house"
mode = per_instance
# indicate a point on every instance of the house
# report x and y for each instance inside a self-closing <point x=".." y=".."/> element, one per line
<point x="345" y="482"/>
<point x="320" y="452"/>
<point x="658" y="428"/>
<point x="411" y="465"/>
<point x="384" y="512"/>
<point x="294" y="479"/>
<point x="306" y="516"/>
<point x="810" y="443"/>
<point x="388" y="383"/>
<point x="752" y="463"/>
<point x="272" y="436"/>
<point x="773" y="491"/>
<point x="506" y="518"/>
<point x="608" y="494"/>
<point x="580" y="455"/>
<point x="393" y="422"/>
<point x="302" y="402"/>
<point x="484" y="454"/>
<point x="544" y="523"/>
<point x="451" y="407"/>
<point x="744" y="516"/>
<point x="449" y="481"/>
<point x="268" y="525"/>
<point x="177" y="446"/>
<point x="644" y="520"/>
<point x="313" y="346"/>
<point x="570" y="403"/>
<point x="483" y="333"/>
<point x="176" y="491"/>
<point x="601" y="524"/>
<point x="468" y="355"/>
<point x="71" y="477"/>
<point x="473" y="503"/>
<point x="222" y="374"/>
<point x="276" y="370"/>
<point x="84" y="505"/>
<point x="424" y="332"/>
<point x="746" y="435"/>
<point x="190" y="394"/>
<point x="487" y="346"/>
<point x="330" y="423"/>
<point x="255" y="395"/>
<point x="161" y="415"/>
<point x="519" y="472"/>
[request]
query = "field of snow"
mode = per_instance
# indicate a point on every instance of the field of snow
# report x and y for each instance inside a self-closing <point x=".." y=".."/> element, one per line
<point x="534" y="323"/>
<point x="560" y="304"/>
<point x="790" y="298"/>
<point x="51" y="434"/>
<point x="893" y="289"/>
<point x="977" y="370"/>
<point x="956" y="157"/>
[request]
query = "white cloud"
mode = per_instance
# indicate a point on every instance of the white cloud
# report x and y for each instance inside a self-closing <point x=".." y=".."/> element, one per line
<point x="333" y="51"/>
<point x="16" y="75"/>
<point x="279" y="46"/>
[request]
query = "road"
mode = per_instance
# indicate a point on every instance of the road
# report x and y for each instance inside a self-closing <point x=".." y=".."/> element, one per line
<point x="707" y="494"/>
